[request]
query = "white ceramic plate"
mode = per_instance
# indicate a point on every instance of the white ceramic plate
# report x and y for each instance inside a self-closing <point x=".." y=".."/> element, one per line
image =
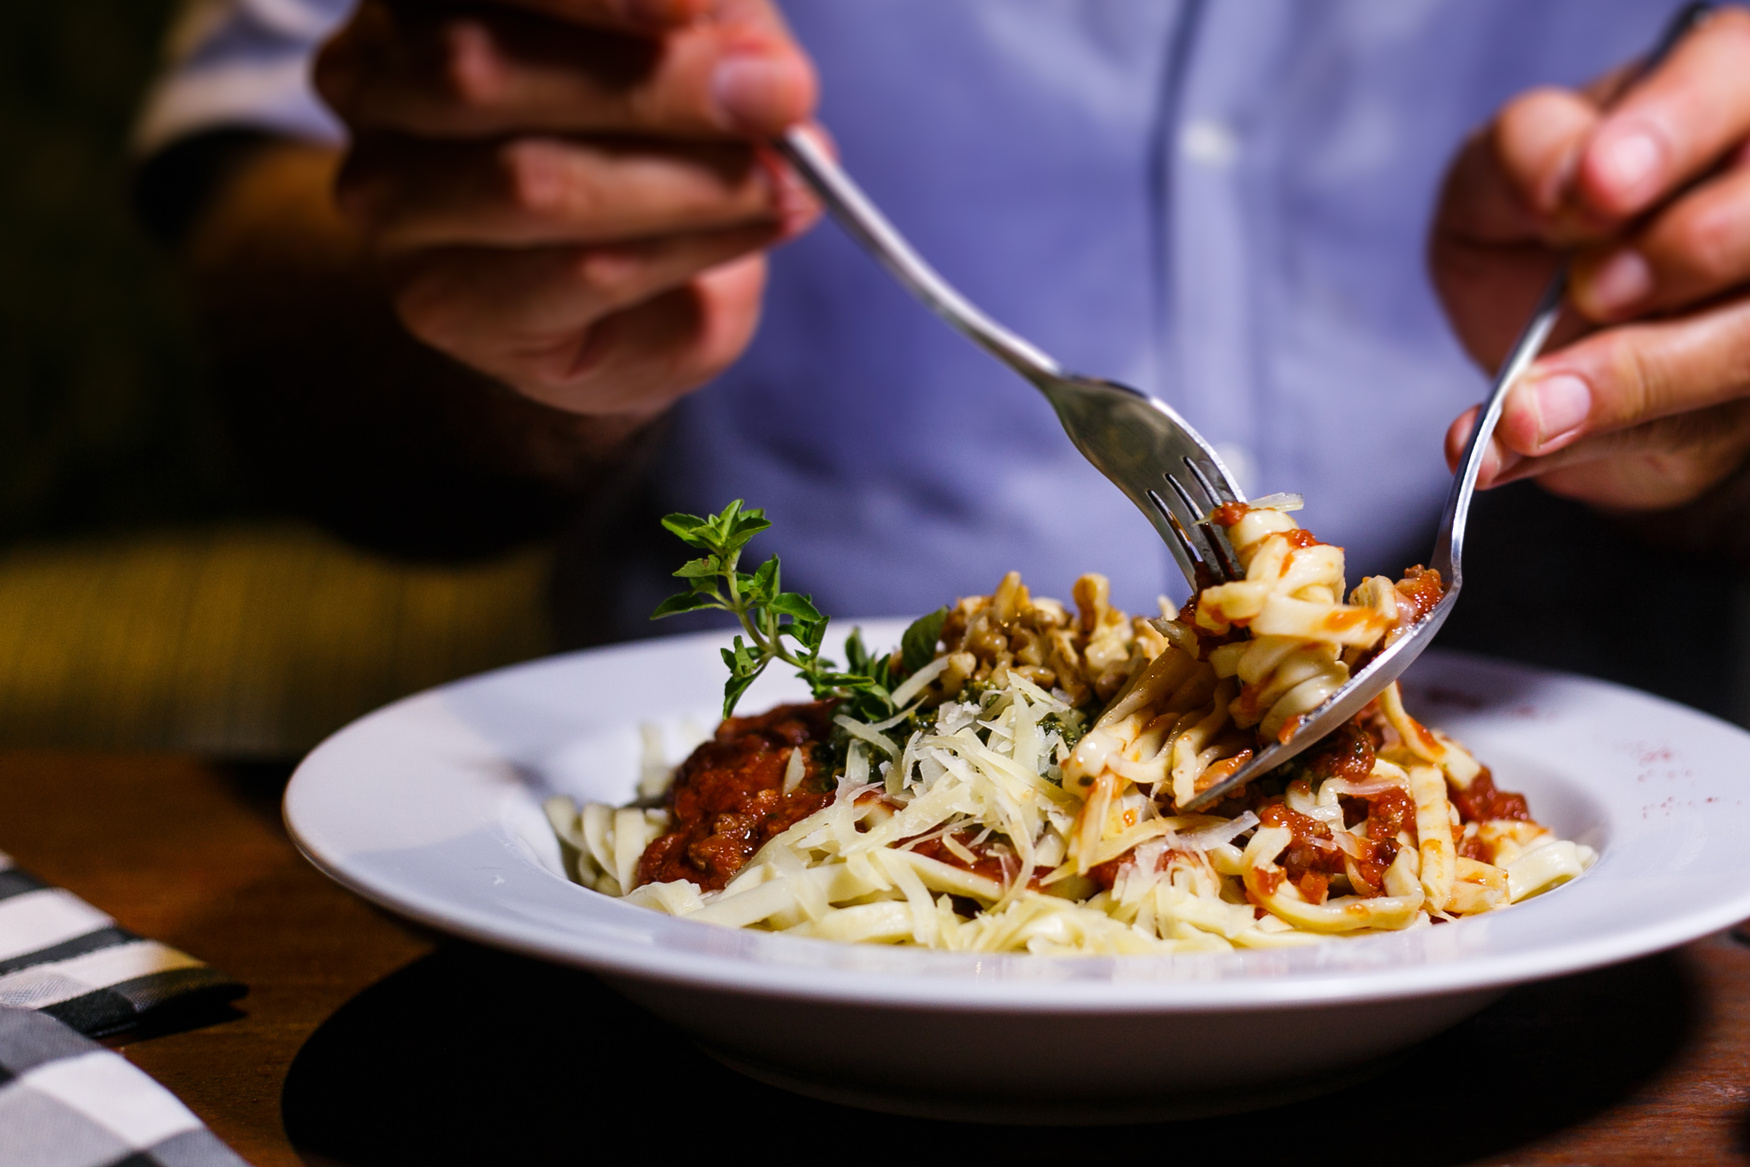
<point x="431" y="808"/>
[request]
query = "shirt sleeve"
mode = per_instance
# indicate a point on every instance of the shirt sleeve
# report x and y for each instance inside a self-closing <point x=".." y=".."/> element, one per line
<point x="241" y="64"/>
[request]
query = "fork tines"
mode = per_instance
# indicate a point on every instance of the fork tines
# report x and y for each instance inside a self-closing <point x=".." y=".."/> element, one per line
<point x="1201" y="541"/>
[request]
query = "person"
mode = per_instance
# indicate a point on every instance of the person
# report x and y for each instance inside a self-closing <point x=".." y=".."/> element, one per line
<point x="621" y="307"/>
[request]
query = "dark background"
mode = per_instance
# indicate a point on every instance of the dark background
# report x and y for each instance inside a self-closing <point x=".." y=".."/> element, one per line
<point x="152" y="596"/>
<point x="105" y="418"/>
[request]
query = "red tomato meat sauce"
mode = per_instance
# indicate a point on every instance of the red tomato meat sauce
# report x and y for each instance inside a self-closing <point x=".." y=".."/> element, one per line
<point x="1418" y="592"/>
<point x="728" y="798"/>
<point x="1480" y="801"/>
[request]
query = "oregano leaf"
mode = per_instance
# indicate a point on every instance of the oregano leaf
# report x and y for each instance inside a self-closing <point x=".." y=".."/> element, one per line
<point x="917" y="647"/>
<point x="683" y="602"/>
<point x="690" y="529"/>
<point x="763" y="587"/>
<point x="800" y="607"/>
<point x="706" y="568"/>
<point x="734" y="687"/>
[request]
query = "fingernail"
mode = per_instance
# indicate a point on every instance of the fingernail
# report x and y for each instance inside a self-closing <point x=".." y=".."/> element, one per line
<point x="1563" y="403"/>
<point x="1620" y="282"/>
<point x="1630" y="161"/>
<point x="752" y="91"/>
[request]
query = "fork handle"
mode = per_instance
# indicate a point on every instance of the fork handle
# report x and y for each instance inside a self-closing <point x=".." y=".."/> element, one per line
<point x="1449" y="550"/>
<point x="859" y="216"/>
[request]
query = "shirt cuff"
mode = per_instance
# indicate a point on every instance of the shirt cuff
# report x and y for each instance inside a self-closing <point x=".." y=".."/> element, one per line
<point x="274" y="97"/>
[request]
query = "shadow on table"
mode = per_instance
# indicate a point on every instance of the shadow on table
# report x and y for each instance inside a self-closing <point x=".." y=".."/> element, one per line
<point x="258" y="783"/>
<point x="471" y="1055"/>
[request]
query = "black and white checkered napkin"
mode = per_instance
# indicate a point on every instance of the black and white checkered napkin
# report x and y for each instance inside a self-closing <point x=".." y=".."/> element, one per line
<point x="61" y="956"/>
<point x="65" y="1101"/>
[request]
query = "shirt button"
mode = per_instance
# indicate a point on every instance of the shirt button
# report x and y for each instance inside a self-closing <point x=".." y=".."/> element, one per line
<point x="1208" y="143"/>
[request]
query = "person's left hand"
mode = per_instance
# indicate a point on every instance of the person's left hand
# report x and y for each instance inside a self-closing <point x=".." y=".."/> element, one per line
<point x="1646" y="403"/>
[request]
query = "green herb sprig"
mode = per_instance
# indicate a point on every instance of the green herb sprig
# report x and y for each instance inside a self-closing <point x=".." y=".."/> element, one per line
<point x="784" y="626"/>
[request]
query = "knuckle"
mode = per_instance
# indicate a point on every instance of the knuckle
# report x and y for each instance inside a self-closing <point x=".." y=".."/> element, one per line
<point x="425" y="307"/>
<point x="557" y="374"/>
<point x="348" y="59"/>
<point x="562" y="367"/>
<point x="1706" y="240"/>
<point x="610" y="272"/>
<point x="1633" y="376"/>
<point x="1531" y="106"/>
<point x="1533" y="141"/>
<point x="471" y="73"/>
<point x="535" y="177"/>
<point x="1736" y="373"/>
<point x="1530" y="117"/>
<point x="1728" y="24"/>
<point x="1686" y="462"/>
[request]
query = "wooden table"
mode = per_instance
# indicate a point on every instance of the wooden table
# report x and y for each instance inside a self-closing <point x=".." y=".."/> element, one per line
<point x="366" y="1042"/>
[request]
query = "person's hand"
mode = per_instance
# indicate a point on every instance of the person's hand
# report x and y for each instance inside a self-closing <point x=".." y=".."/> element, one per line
<point x="1645" y="404"/>
<point x="568" y="195"/>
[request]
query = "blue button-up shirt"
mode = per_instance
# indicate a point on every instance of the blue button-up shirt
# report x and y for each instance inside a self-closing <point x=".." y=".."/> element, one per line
<point x="1224" y="204"/>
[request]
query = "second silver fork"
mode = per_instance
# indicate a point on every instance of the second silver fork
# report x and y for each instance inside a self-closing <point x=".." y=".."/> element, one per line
<point x="1149" y="452"/>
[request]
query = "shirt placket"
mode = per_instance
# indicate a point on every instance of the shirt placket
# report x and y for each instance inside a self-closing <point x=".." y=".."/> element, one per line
<point x="1214" y="169"/>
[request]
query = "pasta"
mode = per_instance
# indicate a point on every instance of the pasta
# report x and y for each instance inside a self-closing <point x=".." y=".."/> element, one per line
<point x="1027" y="797"/>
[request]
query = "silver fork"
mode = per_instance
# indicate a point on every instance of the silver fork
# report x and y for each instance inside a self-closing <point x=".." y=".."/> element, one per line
<point x="1148" y="451"/>
<point x="1448" y="553"/>
<point x="1385" y="668"/>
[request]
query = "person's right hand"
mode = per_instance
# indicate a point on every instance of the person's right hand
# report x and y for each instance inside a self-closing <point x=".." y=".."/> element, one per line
<point x="569" y="195"/>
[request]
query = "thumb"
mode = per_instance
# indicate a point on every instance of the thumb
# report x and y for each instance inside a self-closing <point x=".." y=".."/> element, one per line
<point x="762" y="82"/>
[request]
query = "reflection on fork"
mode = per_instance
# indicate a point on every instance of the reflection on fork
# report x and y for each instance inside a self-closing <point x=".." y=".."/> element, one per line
<point x="1201" y="540"/>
